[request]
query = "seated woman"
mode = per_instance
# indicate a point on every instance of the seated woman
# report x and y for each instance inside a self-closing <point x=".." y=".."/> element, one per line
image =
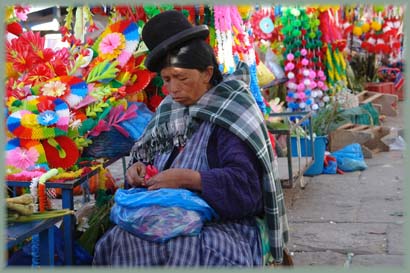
<point x="208" y="136"/>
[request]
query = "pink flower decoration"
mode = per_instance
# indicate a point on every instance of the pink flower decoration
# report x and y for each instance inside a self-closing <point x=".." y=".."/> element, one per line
<point x="290" y="57"/>
<point x="110" y="43"/>
<point x="313" y="84"/>
<point x="305" y="61"/>
<point x="301" y="87"/>
<point x="301" y="95"/>
<point x="303" y="52"/>
<point x="289" y="66"/>
<point x="22" y="158"/>
<point x="124" y="57"/>
<point x="312" y="74"/>
<point x="21" y="12"/>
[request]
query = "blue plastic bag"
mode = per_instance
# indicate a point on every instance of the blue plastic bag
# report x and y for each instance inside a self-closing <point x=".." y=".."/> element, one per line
<point x="160" y="215"/>
<point x="350" y="158"/>
<point x="136" y="126"/>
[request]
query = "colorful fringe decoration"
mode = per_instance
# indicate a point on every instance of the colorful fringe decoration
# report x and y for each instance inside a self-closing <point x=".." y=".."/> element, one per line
<point x="117" y="42"/>
<point x="235" y="44"/>
<point x="50" y="118"/>
<point x="43" y="202"/>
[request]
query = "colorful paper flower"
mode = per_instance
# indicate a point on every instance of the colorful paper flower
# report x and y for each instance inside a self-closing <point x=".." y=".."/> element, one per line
<point x="47" y="118"/>
<point x="118" y="42"/>
<point x="24" y="123"/>
<point x="54" y="89"/>
<point x="111" y="45"/>
<point x="22" y="158"/>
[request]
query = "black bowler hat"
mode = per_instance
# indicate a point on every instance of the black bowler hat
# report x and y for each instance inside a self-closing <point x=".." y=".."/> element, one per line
<point x="166" y="31"/>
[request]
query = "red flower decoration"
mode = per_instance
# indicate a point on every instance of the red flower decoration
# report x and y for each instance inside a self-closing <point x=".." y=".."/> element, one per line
<point x="14" y="28"/>
<point x="39" y="73"/>
<point x="19" y="55"/>
<point x="46" y="103"/>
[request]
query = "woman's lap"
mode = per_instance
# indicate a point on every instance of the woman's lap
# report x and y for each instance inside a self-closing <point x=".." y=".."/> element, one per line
<point x="228" y="244"/>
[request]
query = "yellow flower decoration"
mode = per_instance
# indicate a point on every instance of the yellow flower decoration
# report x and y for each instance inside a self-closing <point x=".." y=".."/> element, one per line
<point x="376" y="26"/>
<point x="365" y="27"/>
<point x="10" y="71"/>
<point x="244" y="11"/>
<point x="357" y="31"/>
<point x="9" y="13"/>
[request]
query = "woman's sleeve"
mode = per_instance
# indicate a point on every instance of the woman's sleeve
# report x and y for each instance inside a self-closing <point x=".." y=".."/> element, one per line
<point x="232" y="186"/>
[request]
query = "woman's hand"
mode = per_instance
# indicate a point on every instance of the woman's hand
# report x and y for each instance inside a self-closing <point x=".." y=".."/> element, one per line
<point x="175" y="178"/>
<point x="136" y="175"/>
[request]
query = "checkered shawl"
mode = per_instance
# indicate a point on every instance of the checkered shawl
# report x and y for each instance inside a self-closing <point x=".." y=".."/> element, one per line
<point x="229" y="105"/>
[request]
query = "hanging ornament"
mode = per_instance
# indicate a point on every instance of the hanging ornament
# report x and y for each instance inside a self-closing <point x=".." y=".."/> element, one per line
<point x="262" y="23"/>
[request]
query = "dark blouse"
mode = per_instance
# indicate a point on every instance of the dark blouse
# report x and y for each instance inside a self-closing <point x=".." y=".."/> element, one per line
<point x="233" y="184"/>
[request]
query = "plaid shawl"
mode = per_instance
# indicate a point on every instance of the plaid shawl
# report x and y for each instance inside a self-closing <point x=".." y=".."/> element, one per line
<point x="229" y="105"/>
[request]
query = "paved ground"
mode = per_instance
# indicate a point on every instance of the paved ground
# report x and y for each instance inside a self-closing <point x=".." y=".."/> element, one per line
<point x="349" y="220"/>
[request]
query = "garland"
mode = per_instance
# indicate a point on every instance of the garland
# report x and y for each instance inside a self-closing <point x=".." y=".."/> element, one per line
<point x="234" y="44"/>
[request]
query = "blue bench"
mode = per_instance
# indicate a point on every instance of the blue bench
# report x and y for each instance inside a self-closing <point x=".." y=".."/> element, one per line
<point x="18" y="232"/>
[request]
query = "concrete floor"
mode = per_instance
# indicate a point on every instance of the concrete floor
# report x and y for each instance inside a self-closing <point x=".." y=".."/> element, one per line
<point x="352" y="220"/>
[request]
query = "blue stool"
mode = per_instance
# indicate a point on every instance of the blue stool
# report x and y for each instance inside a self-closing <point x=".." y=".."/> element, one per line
<point x="18" y="232"/>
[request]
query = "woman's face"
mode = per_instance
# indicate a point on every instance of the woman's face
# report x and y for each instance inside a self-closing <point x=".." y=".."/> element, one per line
<point x="186" y="86"/>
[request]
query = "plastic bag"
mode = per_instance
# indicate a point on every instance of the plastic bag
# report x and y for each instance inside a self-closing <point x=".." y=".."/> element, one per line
<point x="350" y="158"/>
<point x="161" y="214"/>
<point x="136" y="126"/>
<point x="272" y="63"/>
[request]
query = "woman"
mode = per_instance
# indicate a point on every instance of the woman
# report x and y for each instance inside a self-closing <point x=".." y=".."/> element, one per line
<point x="207" y="136"/>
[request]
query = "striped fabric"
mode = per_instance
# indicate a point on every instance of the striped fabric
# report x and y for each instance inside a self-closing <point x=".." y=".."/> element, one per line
<point x="241" y="247"/>
<point x="229" y="105"/>
<point x="194" y="156"/>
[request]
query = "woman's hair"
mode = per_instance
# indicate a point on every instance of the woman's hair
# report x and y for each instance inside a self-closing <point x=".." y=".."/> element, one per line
<point x="194" y="54"/>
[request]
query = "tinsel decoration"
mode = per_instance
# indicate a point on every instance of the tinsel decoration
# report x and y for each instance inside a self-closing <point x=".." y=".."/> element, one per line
<point x="233" y="44"/>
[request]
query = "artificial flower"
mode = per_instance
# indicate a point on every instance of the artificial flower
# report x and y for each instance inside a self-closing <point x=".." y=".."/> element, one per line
<point x="17" y="88"/>
<point x="42" y="56"/>
<point x="111" y="45"/>
<point x="47" y="118"/>
<point x="22" y="158"/>
<point x="19" y="55"/>
<point x="54" y="89"/>
<point x="92" y="27"/>
<point x="33" y="40"/>
<point x="29" y="119"/>
<point x="45" y="104"/>
<point x="14" y="28"/>
<point x="40" y="73"/>
<point x="21" y="12"/>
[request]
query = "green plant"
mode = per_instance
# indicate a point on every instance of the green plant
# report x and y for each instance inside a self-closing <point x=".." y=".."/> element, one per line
<point x="362" y="68"/>
<point x="328" y="119"/>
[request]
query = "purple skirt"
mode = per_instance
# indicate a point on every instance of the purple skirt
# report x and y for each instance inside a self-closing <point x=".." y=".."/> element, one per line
<point x="233" y="243"/>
